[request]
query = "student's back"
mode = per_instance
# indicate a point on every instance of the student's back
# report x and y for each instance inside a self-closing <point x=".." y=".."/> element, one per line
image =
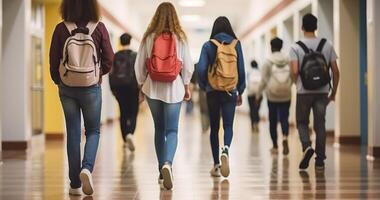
<point x="297" y="53"/>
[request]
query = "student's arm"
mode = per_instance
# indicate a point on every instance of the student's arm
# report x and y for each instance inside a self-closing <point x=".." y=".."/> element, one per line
<point x="107" y="53"/>
<point x="55" y="55"/>
<point x="241" y="70"/>
<point x="294" y="70"/>
<point x="336" y="76"/>
<point x="140" y="65"/>
<point x="265" y="76"/>
<point x="294" y="64"/>
<point x="187" y="70"/>
<point x="202" y="67"/>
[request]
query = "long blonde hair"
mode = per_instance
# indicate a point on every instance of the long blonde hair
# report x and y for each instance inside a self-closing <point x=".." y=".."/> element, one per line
<point x="165" y="20"/>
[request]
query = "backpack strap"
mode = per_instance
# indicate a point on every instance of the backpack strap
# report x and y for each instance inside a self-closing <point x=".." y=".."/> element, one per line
<point x="234" y="42"/>
<point x="321" y="45"/>
<point x="303" y="46"/>
<point x="91" y="27"/>
<point x="216" y="42"/>
<point x="70" y="26"/>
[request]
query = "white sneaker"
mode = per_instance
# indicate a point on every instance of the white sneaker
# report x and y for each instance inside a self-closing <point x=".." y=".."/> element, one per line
<point x="215" y="171"/>
<point x="86" y="179"/>
<point x="75" y="191"/>
<point x="225" y="167"/>
<point x="130" y="142"/>
<point x="168" y="176"/>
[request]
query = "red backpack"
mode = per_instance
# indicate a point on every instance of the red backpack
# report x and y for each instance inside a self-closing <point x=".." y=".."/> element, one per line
<point x="163" y="64"/>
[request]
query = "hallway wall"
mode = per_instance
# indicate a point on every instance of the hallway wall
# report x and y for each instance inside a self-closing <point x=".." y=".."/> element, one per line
<point x="15" y="72"/>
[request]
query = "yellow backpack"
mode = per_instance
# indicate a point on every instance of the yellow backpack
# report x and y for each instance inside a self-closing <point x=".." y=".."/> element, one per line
<point x="223" y="74"/>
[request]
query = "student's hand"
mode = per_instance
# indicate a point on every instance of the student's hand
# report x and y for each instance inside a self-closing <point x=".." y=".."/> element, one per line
<point x="239" y="100"/>
<point x="141" y="97"/>
<point x="187" y="96"/>
<point x="331" y="98"/>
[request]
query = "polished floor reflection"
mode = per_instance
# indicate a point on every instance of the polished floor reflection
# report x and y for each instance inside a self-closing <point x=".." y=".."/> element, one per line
<point x="41" y="173"/>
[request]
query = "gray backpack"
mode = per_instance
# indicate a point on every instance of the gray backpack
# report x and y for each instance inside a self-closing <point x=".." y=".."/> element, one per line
<point x="80" y="66"/>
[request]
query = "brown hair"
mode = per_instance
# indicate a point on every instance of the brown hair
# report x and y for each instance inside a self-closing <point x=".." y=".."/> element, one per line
<point x="80" y="10"/>
<point x="165" y="20"/>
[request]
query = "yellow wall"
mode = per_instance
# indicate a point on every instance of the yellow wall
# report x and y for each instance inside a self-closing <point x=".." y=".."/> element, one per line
<point x="54" y="121"/>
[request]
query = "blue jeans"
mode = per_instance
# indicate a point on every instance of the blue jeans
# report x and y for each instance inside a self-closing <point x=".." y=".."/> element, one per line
<point x="89" y="101"/>
<point x="317" y="103"/>
<point x="166" y="119"/>
<point x="278" y="111"/>
<point x="221" y="103"/>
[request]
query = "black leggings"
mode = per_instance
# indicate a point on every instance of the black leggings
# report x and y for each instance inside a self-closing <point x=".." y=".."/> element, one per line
<point x="254" y="107"/>
<point x="128" y="100"/>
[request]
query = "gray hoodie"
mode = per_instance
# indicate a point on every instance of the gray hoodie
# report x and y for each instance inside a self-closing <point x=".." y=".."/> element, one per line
<point x="281" y="61"/>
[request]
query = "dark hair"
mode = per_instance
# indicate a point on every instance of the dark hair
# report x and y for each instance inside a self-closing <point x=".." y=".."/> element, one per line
<point x="276" y="44"/>
<point x="254" y="64"/>
<point x="222" y="25"/>
<point x="125" y="39"/>
<point x="80" y="10"/>
<point x="309" y="23"/>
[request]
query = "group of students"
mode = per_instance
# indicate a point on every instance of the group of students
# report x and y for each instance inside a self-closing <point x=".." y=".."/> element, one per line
<point x="310" y="64"/>
<point x="160" y="73"/>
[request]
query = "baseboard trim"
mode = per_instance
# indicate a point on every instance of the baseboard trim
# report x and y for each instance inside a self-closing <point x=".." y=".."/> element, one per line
<point x="54" y="136"/>
<point x="350" y="140"/>
<point x="375" y="152"/>
<point x="330" y="133"/>
<point x="15" y="145"/>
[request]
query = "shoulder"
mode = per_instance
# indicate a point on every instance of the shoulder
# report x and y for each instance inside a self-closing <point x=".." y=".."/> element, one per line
<point x="207" y="45"/>
<point x="101" y="27"/>
<point x="60" y="27"/>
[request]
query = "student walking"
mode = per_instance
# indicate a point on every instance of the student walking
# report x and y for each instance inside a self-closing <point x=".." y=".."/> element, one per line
<point x="254" y="100"/>
<point x="221" y="74"/>
<point x="80" y="54"/>
<point x="277" y="83"/>
<point x="124" y="87"/>
<point x="163" y="70"/>
<point x="311" y="61"/>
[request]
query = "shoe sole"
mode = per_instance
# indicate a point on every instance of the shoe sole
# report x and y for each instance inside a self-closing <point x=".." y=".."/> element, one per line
<point x="131" y="145"/>
<point x="285" y="145"/>
<point x="76" y="193"/>
<point x="306" y="159"/>
<point x="167" y="175"/>
<point x="225" y="167"/>
<point x="86" y="184"/>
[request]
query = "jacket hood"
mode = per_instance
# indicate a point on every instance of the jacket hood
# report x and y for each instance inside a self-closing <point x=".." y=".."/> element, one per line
<point x="224" y="37"/>
<point x="279" y="59"/>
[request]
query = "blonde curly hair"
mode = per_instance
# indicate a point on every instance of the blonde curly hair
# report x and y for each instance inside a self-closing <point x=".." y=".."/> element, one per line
<point x="165" y="20"/>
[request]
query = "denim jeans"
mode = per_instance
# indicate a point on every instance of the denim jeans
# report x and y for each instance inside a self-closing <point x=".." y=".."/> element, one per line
<point x="221" y="104"/>
<point x="318" y="103"/>
<point x="89" y="101"/>
<point x="278" y="111"/>
<point x="166" y="119"/>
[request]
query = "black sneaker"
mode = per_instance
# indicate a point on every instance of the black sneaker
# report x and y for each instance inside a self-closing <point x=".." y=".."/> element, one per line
<point x="225" y="166"/>
<point x="319" y="165"/>
<point x="308" y="153"/>
<point x="285" y="147"/>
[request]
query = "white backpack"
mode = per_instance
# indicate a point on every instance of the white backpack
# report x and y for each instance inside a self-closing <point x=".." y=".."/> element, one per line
<point x="280" y="82"/>
<point x="254" y="80"/>
<point x="80" y="66"/>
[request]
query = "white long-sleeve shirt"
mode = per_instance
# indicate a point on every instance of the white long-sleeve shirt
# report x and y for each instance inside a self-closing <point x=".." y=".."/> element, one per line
<point x="168" y="92"/>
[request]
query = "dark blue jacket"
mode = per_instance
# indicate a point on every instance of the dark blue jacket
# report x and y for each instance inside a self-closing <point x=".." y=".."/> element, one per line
<point x="207" y="58"/>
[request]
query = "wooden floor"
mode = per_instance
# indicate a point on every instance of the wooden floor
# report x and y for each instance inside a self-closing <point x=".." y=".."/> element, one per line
<point x="41" y="173"/>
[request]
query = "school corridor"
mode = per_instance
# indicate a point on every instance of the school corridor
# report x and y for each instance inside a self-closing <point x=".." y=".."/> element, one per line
<point x="33" y="135"/>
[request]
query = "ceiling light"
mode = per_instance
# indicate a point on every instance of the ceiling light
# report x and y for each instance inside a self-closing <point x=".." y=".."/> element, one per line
<point x="191" y="18"/>
<point x="192" y="3"/>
